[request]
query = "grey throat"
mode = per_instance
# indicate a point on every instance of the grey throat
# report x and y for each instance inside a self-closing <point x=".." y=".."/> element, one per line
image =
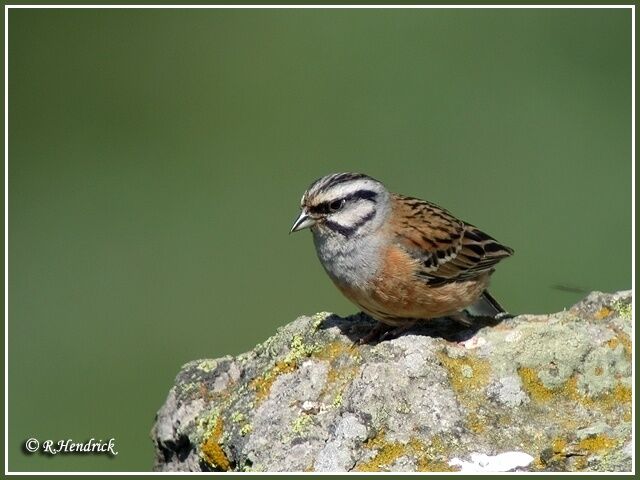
<point x="350" y="252"/>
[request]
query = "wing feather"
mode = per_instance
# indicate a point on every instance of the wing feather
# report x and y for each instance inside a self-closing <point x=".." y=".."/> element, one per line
<point x="448" y="249"/>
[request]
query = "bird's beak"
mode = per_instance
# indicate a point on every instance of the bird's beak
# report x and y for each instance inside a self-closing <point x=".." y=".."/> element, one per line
<point x="303" y="221"/>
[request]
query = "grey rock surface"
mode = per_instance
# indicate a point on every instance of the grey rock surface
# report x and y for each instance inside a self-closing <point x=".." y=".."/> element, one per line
<point x="533" y="393"/>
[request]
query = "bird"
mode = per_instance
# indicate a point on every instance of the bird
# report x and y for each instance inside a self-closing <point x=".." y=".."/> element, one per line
<point x="400" y="259"/>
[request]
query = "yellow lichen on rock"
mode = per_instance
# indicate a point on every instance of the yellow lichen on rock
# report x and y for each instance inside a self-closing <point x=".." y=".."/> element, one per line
<point x="386" y="453"/>
<point x="340" y="374"/>
<point x="603" y="313"/>
<point x="298" y="350"/>
<point x="619" y="396"/>
<point x="426" y="455"/>
<point x="533" y="385"/>
<point x="476" y="423"/>
<point x="212" y="452"/>
<point x="335" y="349"/>
<point x="431" y="456"/>
<point x="427" y="465"/>
<point x="559" y="446"/>
<point x="262" y="385"/>
<point x="597" y="443"/>
<point x="574" y="455"/>
<point x="466" y="373"/>
<point x="621" y="339"/>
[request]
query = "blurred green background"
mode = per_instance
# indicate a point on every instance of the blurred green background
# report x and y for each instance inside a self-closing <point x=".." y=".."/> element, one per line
<point x="157" y="158"/>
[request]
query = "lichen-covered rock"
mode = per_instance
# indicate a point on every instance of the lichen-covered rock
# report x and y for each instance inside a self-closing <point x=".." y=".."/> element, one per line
<point x="533" y="393"/>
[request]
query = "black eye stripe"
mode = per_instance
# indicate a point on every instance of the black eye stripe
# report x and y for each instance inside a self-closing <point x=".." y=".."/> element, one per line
<point x="322" y="208"/>
<point x="341" y="229"/>
<point x="369" y="195"/>
<point x="348" y="231"/>
<point x="325" y="207"/>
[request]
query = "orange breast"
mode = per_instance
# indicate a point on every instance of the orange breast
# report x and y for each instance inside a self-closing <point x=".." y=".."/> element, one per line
<point x="396" y="293"/>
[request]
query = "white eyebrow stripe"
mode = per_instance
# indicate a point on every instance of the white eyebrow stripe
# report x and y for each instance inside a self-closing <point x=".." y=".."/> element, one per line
<point x="346" y="189"/>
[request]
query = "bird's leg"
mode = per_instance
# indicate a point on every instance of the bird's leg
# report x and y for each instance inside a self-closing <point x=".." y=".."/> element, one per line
<point x="382" y="332"/>
<point x="396" y="332"/>
<point x="374" y="334"/>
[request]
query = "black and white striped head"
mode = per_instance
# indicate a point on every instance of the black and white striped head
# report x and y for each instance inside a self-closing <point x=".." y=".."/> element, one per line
<point x="343" y="204"/>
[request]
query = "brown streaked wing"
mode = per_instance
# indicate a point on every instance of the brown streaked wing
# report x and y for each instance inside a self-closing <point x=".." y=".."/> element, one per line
<point x="448" y="249"/>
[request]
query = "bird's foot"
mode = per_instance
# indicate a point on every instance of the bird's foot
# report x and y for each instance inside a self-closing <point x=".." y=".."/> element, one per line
<point x="382" y="332"/>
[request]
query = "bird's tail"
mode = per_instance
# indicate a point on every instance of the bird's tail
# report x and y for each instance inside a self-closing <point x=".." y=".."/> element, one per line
<point x="486" y="306"/>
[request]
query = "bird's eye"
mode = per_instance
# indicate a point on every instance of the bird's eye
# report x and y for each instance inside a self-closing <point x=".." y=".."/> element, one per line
<point x="336" y="205"/>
